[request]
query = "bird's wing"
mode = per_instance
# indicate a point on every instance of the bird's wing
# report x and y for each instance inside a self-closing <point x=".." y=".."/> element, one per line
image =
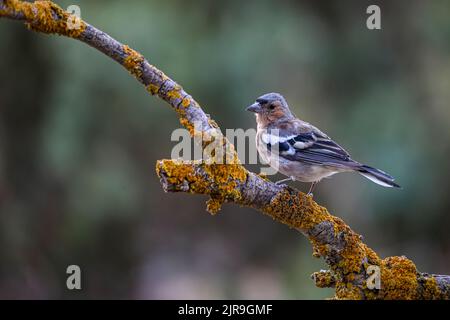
<point x="300" y="141"/>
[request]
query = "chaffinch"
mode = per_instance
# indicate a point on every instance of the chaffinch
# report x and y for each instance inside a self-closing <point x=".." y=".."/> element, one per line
<point x="299" y="150"/>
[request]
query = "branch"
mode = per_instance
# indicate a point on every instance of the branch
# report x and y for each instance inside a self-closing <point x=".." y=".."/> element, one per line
<point x="344" y="252"/>
<point x="342" y="248"/>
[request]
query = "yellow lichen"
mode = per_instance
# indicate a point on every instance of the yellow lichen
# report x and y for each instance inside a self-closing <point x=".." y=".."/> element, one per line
<point x="153" y="89"/>
<point x="46" y="17"/>
<point x="297" y="210"/>
<point x="133" y="61"/>
<point x="220" y="181"/>
<point x="174" y="94"/>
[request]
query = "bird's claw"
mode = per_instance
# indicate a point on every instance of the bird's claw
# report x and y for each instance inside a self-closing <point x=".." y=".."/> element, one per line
<point x="282" y="185"/>
<point x="284" y="180"/>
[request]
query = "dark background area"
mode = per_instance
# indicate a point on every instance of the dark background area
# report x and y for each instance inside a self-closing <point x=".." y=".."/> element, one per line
<point x="79" y="138"/>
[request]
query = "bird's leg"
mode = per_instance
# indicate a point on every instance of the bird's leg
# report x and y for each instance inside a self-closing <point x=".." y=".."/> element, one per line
<point x="311" y="189"/>
<point x="284" y="180"/>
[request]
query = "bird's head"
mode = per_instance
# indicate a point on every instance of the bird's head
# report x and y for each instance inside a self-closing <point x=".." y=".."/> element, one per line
<point x="270" y="108"/>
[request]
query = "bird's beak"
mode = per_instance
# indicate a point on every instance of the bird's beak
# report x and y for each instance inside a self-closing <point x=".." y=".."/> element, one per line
<point x="256" y="108"/>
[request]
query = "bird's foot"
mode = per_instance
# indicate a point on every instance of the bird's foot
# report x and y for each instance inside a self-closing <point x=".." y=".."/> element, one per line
<point x="310" y="192"/>
<point x="284" y="180"/>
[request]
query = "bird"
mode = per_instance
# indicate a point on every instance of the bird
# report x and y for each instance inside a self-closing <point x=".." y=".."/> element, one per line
<point x="301" y="151"/>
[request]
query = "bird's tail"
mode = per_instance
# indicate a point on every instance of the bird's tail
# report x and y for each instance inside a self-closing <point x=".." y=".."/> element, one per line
<point x="377" y="176"/>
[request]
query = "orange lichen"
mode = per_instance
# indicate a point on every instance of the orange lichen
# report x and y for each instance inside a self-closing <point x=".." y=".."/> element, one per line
<point x="184" y="121"/>
<point x="133" y="61"/>
<point x="398" y="279"/>
<point x="297" y="210"/>
<point x="430" y="289"/>
<point x="46" y="17"/>
<point x="347" y="291"/>
<point x="324" y="279"/>
<point x="214" y="204"/>
<point x="352" y="256"/>
<point x="372" y="257"/>
<point x="319" y="249"/>
<point x="186" y="102"/>
<point x="286" y="208"/>
<point x="187" y="124"/>
<point x="177" y="171"/>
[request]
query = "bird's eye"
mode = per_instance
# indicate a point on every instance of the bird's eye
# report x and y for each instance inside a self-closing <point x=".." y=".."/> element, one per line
<point x="271" y="107"/>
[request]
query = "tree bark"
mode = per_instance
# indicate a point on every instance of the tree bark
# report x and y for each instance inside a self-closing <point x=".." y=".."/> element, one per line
<point x="349" y="259"/>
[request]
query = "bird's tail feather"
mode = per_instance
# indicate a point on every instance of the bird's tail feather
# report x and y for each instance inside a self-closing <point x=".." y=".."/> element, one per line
<point x="377" y="176"/>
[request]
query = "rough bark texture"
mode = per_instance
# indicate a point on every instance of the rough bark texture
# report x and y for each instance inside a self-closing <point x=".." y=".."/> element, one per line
<point x="347" y="256"/>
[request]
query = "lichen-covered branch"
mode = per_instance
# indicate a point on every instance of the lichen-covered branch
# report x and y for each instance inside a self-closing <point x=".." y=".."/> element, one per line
<point x="348" y="258"/>
<point x="342" y="248"/>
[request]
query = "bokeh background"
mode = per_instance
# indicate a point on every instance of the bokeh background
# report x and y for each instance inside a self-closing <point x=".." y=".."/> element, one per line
<point x="79" y="138"/>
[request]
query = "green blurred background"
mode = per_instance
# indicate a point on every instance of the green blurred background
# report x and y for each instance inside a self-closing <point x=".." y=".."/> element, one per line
<point x="79" y="138"/>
